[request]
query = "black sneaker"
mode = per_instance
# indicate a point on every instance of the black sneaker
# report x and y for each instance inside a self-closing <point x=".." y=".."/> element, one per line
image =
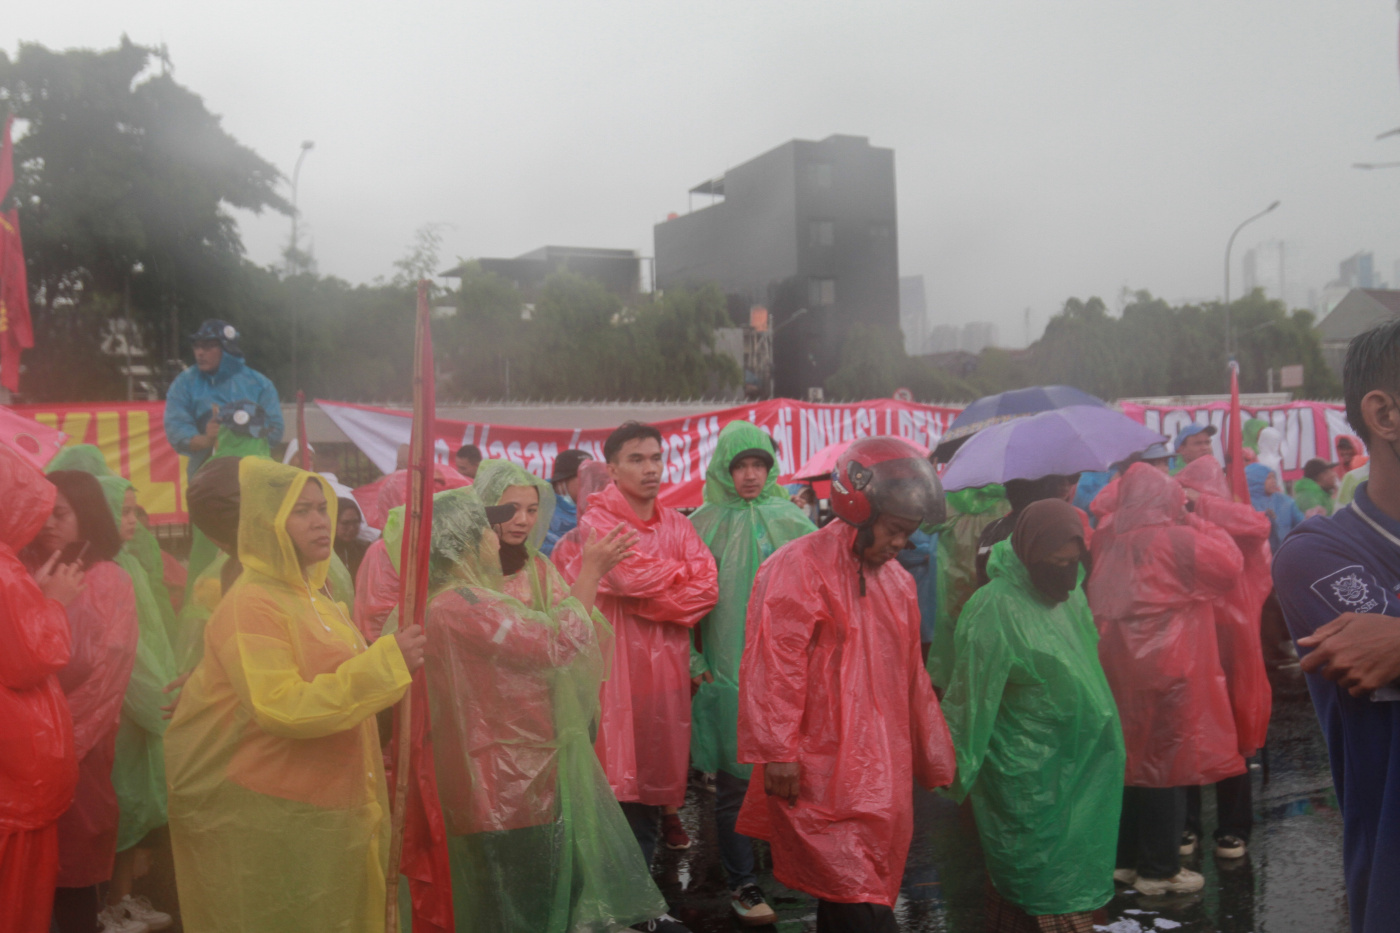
<point x="749" y="904"/>
<point x="662" y="924"/>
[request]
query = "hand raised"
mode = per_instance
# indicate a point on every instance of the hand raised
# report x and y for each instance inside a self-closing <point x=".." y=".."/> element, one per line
<point x="605" y="553"/>
<point x="61" y="582"/>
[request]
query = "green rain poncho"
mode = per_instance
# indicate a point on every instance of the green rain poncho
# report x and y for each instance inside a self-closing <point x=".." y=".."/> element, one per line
<point x="535" y="837"/>
<point x="969" y="511"/>
<point x="740" y="535"/>
<point x="138" y="772"/>
<point x="1309" y="495"/>
<point x="1039" y="746"/>
<point x="1249" y="432"/>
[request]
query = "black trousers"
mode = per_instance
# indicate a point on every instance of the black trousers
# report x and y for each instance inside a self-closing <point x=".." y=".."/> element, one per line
<point x="1149" y="832"/>
<point x="1234" y="805"/>
<point x="854" y="918"/>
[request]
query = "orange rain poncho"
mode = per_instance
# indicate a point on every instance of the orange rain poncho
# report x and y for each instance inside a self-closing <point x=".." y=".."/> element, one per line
<point x="1237" y="615"/>
<point x="835" y="681"/>
<point x="278" y="809"/>
<point x="1157" y="571"/>
<point x="652" y="599"/>
<point x="38" y="770"/>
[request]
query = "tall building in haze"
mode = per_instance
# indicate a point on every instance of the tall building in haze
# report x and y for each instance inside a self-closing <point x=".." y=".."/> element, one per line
<point x="913" y="314"/>
<point x="807" y="230"/>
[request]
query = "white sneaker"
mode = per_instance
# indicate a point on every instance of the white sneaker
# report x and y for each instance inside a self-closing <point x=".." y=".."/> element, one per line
<point x="115" y="920"/>
<point x="1184" y="882"/>
<point x="140" y="909"/>
<point x="1124" y="876"/>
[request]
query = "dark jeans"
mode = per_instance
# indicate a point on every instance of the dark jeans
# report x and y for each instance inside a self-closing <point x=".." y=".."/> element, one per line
<point x="1149" y="833"/>
<point x="1234" y="806"/>
<point x="645" y="821"/>
<point x="735" y="850"/>
<point x="855" y="918"/>
<point x="75" y="909"/>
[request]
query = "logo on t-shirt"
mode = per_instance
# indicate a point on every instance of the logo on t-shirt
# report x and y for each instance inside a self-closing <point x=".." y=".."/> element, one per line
<point x="1346" y="590"/>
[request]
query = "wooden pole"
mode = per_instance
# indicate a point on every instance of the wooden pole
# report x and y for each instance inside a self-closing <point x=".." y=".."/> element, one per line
<point x="413" y="576"/>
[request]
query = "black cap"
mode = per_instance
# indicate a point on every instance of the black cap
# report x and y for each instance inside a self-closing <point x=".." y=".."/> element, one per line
<point x="567" y="463"/>
<point x="1316" y="467"/>
<point x="222" y="331"/>
<point x="500" y="514"/>
<point x="758" y="452"/>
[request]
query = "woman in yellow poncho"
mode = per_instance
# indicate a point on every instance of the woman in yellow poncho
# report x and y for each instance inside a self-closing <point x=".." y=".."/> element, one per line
<point x="278" y="809"/>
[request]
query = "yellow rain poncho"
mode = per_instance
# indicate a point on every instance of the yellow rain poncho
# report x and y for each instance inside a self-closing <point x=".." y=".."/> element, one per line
<point x="138" y="773"/>
<point x="278" y="809"/>
<point x="741" y="535"/>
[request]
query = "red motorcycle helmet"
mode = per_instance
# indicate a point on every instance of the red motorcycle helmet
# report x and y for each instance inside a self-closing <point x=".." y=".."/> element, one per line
<point x="878" y="475"/>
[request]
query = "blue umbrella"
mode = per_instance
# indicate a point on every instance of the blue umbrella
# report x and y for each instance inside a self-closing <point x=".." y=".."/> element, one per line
<point x="1061" y="442"/>
<point x="1004" y="406"/>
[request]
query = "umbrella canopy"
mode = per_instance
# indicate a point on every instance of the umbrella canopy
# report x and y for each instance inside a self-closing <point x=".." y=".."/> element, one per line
<point x="33" y="441"/>
<point x="821" y="463"/>
<point x="1005" y="406"/>
<point x="1061" y="442"/>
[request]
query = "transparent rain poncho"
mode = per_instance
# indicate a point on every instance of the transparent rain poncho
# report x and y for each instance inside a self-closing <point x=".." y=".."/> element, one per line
<point x="138" y="774"/>
<point x="279" y="817"/>
<point x="537" y="840"/>
<point x="969" y="512"/>
<point x="1157" y="573"/>
<point x="740" y="535"/>
<point x="1039" y="747"/>
<point x="593" y="476"/>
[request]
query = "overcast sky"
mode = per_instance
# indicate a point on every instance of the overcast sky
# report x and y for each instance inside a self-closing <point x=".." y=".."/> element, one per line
<point x="1043" y="149"/>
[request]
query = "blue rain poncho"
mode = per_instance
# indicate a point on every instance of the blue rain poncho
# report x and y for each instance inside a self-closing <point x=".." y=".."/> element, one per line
<point x="191" y="397"/>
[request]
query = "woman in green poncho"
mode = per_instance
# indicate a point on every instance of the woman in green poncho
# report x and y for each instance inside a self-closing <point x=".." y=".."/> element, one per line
<point x="138" y="772"/>
<point x="535" y="838"/>
<point x="969" y="512"/>
<point x="1039" y="745"/>
<point x="746" y="517"/>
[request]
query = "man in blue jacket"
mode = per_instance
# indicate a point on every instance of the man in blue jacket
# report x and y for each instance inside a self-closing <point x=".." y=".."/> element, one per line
<point x="1338" y="580"/>
<point x="218" y="378"/>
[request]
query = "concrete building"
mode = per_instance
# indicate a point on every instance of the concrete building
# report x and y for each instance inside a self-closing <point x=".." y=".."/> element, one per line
<point x="807" y="230"/>
<point x="977" y="336"/>
<point x="618" y="270"/>
<point x="1358" y="311"/>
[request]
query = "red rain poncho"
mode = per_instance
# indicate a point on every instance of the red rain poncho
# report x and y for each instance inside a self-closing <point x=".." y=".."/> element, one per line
<point x="38" y="769"/>
<point x="652" y="599"/>
<point x="835" y="681"/>
<point x="103" y="623"/>
<point x="1157" y="573"/>
<point x="1237" y="616"/>
<point x="377" y="582"/>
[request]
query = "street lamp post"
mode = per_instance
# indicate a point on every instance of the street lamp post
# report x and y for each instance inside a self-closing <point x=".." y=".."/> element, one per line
<point x="1228" y="247"/>
<point x="294" y="263"/>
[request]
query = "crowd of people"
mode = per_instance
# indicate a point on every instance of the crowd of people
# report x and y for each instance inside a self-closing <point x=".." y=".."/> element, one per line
<point x="1076" y="657"/>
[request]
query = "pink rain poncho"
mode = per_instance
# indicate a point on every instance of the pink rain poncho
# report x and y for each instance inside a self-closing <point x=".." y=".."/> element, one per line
<point x="1157" y="573"/>
<point x="105" y="631"/>
<point x="652" y="599"/>
<point x="1237" y="615"/>
<point x="835" y="681"/>
<point x="38" y="770"/>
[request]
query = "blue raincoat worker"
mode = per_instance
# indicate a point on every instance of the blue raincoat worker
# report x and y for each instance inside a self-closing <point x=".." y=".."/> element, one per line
<point x="219" y="377"/>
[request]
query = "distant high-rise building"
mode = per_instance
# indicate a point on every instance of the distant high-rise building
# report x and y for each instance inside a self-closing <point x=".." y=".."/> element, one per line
<point x="1265" y="267"/>
<point x="809" y="228"/>
<point x="913" y="313"/>
<point x="1357" y="271"/>
<point x="945" y="338"/>
<point x="977" y="336"/>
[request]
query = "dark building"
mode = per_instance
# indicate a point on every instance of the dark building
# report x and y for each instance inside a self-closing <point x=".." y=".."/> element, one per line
<point x="807" y="230"/>
<point x="618" y="270"/>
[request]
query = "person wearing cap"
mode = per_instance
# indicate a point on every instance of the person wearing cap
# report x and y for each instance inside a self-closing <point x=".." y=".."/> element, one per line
<point x="1315" y="493"/>
<point x="1191" y="442"/>
<point x="745" y="518"/>
<point x="835" y="708"/>
<point x="219" y="378"/>
<point x="565" y="482"/>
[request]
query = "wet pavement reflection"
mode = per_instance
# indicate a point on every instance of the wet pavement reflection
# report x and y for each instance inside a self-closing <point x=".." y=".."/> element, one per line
<point x="1290" y="882"/>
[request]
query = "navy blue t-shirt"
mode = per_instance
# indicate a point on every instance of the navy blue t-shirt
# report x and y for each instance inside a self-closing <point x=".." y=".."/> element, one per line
<point x="1328" y="566"/>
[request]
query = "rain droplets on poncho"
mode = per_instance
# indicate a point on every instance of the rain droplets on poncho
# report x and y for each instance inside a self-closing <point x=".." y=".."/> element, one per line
<point x="740" y="534"/>
<point x="536" y="838"/>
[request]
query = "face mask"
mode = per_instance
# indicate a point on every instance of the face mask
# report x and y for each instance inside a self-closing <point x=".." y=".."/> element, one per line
<point x="1054" y="582"/>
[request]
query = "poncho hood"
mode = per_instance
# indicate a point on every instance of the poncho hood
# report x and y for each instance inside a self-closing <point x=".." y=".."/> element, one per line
<point x="268" y="491"/>
<point x="494" y="477"/>
<point x="737" y="437"/>
<point x="28" y="500"/>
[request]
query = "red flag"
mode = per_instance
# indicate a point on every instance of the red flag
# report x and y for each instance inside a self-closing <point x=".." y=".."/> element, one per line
<point x="16" y="329"/>
<point x="1234" y="449"/>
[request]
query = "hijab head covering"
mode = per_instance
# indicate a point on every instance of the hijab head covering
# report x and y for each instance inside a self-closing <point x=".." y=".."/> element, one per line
<point x="494" y="477"/>
<point x="1148" y="497"/>
<point x="28" y="500"/>
<point x="1042" y="528"/>
<point x="95" y="525"/>
<point x="86" y="458"/>
<point x="1206" y="476"/>
<point x="213" y="499"/>
<point x="267" y="493"/>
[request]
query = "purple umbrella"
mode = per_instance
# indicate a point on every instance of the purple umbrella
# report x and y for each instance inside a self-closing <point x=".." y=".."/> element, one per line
<point x="1063" y="442"/>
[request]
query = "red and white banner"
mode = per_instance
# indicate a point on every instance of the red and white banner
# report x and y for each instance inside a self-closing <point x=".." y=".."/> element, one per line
<point x="1310" y="429"/>
<point x="800" y="428"/>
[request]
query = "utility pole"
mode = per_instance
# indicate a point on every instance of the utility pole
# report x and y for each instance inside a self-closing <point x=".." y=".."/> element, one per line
<point x="294" y="266"/>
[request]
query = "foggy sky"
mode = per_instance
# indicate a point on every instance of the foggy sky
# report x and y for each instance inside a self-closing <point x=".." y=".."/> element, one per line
<point x="1043" y="149"/>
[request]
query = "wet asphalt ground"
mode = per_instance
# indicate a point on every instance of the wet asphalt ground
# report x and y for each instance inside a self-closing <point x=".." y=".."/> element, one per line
<point x="1290" y="882"/>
